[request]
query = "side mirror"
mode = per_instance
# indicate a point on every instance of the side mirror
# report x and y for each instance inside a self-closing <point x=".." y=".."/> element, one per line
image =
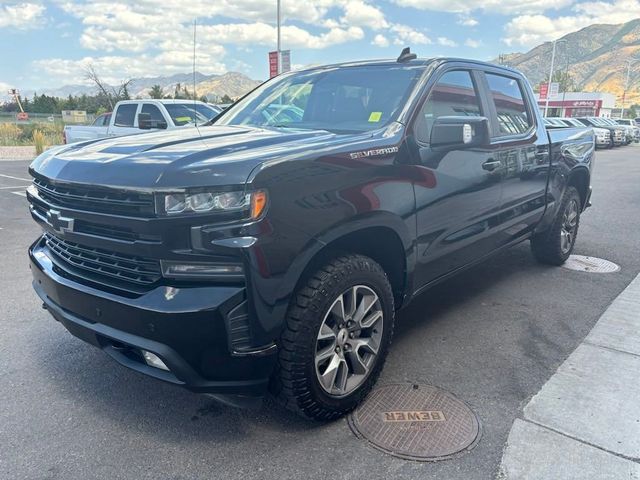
<point x="454" y="133"/>
<point x="145" y="122"/>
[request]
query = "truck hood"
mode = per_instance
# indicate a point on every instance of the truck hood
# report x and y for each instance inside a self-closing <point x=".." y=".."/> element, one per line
<point x="219" y="155"/>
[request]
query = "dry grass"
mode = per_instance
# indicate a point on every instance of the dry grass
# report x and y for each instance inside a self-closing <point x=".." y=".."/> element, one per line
<point x="25" y="134"/>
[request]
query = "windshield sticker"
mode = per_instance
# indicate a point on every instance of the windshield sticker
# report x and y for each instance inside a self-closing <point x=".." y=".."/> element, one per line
<point x="374" y="153"/>
<point x="375" y="116"/>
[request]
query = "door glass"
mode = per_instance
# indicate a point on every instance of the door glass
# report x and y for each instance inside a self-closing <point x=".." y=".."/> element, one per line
<point x="510" y="105"/>
<point x="453" y="95"/>
<point x="125" y="115"/>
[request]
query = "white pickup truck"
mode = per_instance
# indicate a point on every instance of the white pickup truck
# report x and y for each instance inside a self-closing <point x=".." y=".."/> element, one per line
<point x="139" y="116"/>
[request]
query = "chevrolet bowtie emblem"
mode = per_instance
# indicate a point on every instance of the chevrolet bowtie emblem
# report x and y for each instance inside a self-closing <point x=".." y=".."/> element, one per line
<point x="59" y="223"/>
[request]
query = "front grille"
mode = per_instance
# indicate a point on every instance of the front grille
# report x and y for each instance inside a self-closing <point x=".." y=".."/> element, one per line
<point x="97" y="263"/>
<point x="95" y="199"/>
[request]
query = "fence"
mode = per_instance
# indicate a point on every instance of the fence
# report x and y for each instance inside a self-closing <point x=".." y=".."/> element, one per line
<point x="10" y="117"/>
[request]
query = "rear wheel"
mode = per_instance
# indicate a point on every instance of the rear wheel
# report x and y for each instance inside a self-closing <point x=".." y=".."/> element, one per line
<point x="555" y="245"/>
<point x="337" y="333"/>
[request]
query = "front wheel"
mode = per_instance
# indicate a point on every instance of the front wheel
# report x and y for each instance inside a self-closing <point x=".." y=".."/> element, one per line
<point x="555" y="245"/>
<point x="337" y="333"/>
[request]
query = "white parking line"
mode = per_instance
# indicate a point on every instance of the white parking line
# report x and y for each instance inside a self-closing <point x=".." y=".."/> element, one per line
<point x="15" y="178"/>
<point x="22" y="194"/>
<point x="14" y="187"/>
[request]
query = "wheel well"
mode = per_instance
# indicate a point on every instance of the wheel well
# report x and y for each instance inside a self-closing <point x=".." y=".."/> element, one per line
<point x="378" y="243"/>
<point x="580" y="180"/>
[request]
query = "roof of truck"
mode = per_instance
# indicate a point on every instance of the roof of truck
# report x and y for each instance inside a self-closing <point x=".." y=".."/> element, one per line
<point x="415" y="63"/>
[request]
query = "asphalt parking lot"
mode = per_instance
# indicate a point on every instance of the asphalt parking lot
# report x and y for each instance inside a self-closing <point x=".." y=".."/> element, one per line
<point x="492" y="337"/>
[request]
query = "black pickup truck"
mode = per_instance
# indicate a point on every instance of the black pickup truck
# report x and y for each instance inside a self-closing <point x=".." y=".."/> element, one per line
<point x="271" y="249"/>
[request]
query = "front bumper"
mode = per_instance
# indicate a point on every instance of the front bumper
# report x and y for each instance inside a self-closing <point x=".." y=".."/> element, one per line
<point x="186" y="327"/>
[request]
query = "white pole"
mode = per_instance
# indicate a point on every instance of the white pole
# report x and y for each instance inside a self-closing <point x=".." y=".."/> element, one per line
<point x="626" y="85"/>
<point x="279" y="59"/>
<point x="553" y="58"/>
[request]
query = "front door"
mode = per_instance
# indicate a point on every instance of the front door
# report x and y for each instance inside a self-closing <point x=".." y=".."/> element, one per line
<point x="458" y="212"/>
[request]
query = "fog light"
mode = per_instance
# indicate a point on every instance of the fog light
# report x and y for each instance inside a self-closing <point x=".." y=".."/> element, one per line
<point x="153" y="360"/>
<point x="202" y="270"/>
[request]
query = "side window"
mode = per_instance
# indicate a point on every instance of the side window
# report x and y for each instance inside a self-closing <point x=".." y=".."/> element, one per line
<point x="99" y="122"/>
<point x="453" y="95"/>
<point x="125" y="115"/>
<point x="156" y="115"/>
<point x="511" y="108"/>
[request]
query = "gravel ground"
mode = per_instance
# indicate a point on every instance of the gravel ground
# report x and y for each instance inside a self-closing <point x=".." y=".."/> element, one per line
<point x="17" y="153"/>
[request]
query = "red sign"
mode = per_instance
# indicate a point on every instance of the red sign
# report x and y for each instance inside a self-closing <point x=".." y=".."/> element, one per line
<point x="544" y="90"/>
<point x="273" y="64"/>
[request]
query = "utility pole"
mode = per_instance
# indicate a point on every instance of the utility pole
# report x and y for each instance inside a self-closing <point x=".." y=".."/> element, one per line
<point x="553" y="59"/>
<point x="278" y="49"/>
<point x="626" y="85"/>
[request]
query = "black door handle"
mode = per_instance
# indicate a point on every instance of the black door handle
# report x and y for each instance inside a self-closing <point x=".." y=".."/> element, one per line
<point x="491" y="164"/>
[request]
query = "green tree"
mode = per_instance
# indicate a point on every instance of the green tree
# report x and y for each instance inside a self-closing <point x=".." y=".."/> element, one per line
<point x="226" y="99"/>
<point x="156" y="91"/>
<point x="565" y="81"/>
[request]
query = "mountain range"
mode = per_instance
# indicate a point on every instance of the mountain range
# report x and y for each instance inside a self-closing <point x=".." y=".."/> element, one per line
<point x="214" y="87"/>
<point x="595" y="57"/>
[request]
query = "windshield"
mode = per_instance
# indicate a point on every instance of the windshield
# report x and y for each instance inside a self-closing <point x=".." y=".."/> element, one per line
<point x="624" y="122"/>
<point x="346" y="99"/>
<point x="183" y="113"/>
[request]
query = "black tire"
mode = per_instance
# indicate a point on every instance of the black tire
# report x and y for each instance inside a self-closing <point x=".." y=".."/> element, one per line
<point x="295" y="382"/>
<point x="550" y="247"/>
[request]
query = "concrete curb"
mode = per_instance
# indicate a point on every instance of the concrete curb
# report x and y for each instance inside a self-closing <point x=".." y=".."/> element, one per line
<point x="585" y="421"/>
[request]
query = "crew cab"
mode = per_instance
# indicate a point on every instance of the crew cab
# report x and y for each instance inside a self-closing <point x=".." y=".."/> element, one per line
<point x="266" y="253"/>
<point x="139" y="116"/>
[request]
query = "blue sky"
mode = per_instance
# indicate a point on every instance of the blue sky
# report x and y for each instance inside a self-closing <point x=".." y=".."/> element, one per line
<point x="48" y="44"/>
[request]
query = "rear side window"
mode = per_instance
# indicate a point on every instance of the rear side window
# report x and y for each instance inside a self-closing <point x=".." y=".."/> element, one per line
<point x="453" y="95"/>
<point x="156" y="114"/>
<point x="125" y="115"/>
<point x="511" y="108"/>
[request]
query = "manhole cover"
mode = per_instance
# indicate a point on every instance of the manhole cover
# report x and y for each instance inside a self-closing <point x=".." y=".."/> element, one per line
<point x="581" y="263"/>
<point x="417" y="422"/>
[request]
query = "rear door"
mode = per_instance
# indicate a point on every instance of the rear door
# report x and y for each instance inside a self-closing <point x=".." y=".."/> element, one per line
<point x="457" y="211"/>
<point x="125" y="120"/>
<point x="521" y="149"/>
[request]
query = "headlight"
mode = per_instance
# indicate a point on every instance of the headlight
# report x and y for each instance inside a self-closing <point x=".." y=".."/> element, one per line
<point x="249" y="205"/>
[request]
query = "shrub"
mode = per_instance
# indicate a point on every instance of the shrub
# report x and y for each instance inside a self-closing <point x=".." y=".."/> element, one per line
<point x="38" y="140"/>
<point x="9" y="134"/>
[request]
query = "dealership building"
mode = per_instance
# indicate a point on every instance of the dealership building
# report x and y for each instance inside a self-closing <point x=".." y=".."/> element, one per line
<point x="579" y="104"/>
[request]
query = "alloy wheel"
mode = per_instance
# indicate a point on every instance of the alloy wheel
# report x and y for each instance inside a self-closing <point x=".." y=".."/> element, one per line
<point x="348" y="341"/>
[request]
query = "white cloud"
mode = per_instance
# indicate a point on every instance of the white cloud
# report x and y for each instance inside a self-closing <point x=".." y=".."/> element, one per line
<point x="360" y="14"/>
<point x="23" y="16"/>
<point x="380" y="41"/>
<point x="507" y="7"/>
<point x="407" y="36"/>
<point x="530" y="30"/>
<point x="113" y="69"/>
<point x="466" y="21"/>
<point x="446" y="42"/>
<point x="471" y="43"/>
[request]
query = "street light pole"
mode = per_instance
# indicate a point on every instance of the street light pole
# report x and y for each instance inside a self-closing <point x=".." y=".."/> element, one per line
<point x="626" y="85"/>
<point x="278" y="49"/>
<point x="553" y="59"/>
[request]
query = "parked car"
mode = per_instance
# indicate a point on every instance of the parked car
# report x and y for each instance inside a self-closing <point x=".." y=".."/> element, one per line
<point x="618" y="133"/>
<point x="252" y="255"/>
<point x="602" y="135"/>
<point x="140" y="116"/>
<point x="631" y="125"/>
<point x="628" y="131"/>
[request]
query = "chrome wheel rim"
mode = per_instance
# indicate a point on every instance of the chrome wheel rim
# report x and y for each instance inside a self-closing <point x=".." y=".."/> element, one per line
<point x="569" y="226"/>
<point x="348" y="341"/>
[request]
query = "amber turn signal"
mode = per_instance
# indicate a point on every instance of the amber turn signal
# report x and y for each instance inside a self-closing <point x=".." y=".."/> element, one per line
<point x="258" y="203"/>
